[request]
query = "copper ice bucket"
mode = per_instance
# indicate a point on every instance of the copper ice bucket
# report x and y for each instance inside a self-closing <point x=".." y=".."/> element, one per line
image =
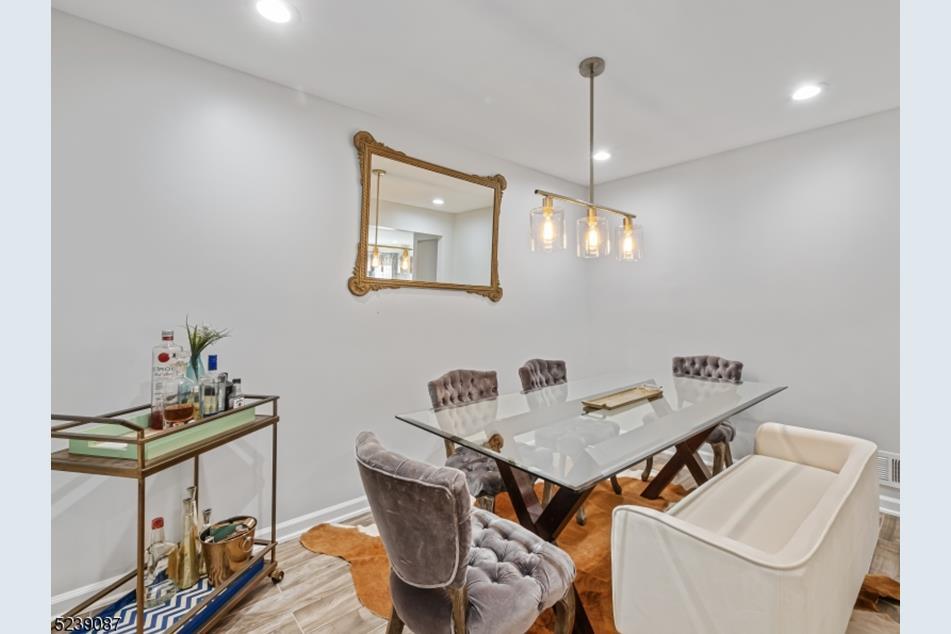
<point x="228" y="556"/>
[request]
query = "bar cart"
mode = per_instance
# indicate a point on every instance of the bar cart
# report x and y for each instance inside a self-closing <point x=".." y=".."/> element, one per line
<point x="125" y="447"/>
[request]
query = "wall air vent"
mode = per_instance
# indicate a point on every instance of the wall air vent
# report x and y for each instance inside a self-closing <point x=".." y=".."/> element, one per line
<point x="889" y="468"/>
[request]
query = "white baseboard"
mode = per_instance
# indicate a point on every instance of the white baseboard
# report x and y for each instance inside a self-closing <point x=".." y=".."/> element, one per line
<point x="889" y="505"/>
<point x="286" y="531"/>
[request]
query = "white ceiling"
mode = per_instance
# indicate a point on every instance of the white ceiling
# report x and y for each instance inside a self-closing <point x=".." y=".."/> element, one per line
<point x="684" y="78"/>
<point x="414" y="186"/>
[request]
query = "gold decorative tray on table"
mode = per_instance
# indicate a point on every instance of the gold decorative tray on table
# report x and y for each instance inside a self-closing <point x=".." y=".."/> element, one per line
<point x="624" y="397"/>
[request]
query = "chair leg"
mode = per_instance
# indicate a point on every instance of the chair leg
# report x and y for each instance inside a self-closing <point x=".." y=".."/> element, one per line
<point x="728" y="454"/>
<point x="395" y="625"/>
<point x="546" y="493"/>
<point x="616" y="485"/>
<point x="581" y="516"/>
<point x="460" y="605"/>
<point x="719" y="457"/>
<point x="565" y="613"/>
<point x="648" y="467"/>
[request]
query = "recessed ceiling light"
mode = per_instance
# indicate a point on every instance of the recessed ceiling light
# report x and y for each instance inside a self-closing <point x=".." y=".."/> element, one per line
<point x="806" y="91"/>
<point x="601" y="155"/>
<point x="439" y="201"/>
<point x="275" y="11"/>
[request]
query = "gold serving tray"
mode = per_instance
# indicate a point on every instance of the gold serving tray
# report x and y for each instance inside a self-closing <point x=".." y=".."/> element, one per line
<point x="624" y="397"/>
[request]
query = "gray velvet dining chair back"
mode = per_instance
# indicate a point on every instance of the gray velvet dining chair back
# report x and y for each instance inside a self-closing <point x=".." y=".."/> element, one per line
<point x="422" y="513"/>
<point x="536" y="374"/>
<point x="454" y="568"/>
<point x="710" y="368"/>
<point x="539" y="373"/>
<point x="458" y="387"/>
<point x="463" y="387"/>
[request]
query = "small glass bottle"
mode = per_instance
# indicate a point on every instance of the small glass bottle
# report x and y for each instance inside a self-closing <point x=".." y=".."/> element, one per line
<point x="212" y="366"/>
<point x="237" y="397"/>
<point x="208" y="388"/>
<point x="158" y="588"/>
<point x="224" y="390"/>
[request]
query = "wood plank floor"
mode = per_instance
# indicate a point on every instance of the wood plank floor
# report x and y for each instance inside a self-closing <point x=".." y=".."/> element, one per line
<point x="317" y="594"/>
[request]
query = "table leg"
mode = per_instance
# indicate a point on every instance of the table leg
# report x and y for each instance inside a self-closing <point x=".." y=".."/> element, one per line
<point x="547" y="522"/>
<point x="685" y="456"/>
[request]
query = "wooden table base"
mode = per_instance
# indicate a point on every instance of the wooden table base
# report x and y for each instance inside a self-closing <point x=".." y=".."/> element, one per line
<point x="684" y="456"/>
<point x="549" y="520"/>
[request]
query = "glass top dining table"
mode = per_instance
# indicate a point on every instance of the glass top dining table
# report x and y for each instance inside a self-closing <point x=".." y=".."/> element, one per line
<point x="549" y="433"/>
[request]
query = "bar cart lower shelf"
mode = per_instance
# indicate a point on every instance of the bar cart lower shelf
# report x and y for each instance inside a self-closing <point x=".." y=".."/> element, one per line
<point x="124" y="427"/>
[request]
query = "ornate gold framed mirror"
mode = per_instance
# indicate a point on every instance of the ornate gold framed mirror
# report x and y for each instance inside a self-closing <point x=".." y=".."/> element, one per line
<point x="423" y="225"/>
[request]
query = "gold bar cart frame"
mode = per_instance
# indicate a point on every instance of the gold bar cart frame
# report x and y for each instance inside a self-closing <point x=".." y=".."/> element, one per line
<point x="140" y="469"/>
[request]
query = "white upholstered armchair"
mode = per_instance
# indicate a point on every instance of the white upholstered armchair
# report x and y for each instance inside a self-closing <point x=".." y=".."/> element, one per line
<point x="780" y="543"/>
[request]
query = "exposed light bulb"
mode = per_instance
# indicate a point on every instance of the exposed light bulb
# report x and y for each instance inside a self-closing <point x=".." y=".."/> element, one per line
<point x="404" y="261"/>
<point x="593" y="238"/>
<point x="548" y="229"/>
<point x="627" y="245"/>
<point x="548" y="232"/>
<point x="375" y="260"/>
<point x="628" y="239"/>
<point x="275" y="10"/>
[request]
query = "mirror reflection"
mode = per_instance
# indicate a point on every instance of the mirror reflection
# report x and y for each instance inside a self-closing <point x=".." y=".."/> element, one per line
<point x="428" y="226"/>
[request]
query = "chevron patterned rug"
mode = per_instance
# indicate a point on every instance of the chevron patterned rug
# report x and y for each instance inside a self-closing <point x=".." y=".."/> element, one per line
<point x="120" y="619"/>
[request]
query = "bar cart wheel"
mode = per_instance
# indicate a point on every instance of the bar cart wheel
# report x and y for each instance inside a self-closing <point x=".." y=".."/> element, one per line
<point x="277" y="576"/>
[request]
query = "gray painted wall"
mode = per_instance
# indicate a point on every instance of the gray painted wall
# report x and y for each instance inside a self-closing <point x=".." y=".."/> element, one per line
<point x="783" y="255"/>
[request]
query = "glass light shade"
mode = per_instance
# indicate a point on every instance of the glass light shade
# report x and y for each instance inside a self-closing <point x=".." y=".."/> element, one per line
<point x="548" y="229"/>
<point x="406" y="264"/>
<point x="594" y="237"/>
<point x="375" y="258"/>
<point x="628" y="241"/>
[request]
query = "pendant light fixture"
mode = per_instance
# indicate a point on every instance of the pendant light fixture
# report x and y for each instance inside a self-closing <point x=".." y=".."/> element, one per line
<point x="628" y="239"/>
<point x="405" y="263"/>
<point x="375" y="256"/>
<point x="594" y="236"/>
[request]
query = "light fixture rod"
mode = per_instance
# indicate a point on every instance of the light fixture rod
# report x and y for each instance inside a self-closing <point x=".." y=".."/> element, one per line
<point x="583" y="203"/>
<point x="390" y="246"/>
<point x="591" y="139"/>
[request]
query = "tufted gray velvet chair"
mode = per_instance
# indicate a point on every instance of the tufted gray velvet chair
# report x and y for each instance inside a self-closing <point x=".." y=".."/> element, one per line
<point x="454" y="568"/>
<point x="710" y="368"/>
<point x="539" y="373"/>
<point x="462" y="387"/>
<point x="536" y="374"/>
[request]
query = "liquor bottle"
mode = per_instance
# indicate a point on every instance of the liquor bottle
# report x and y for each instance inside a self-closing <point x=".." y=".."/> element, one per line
<point x="165" y="357"/>
<point x="181" y="396"/>
<point x="224" y="391"/>
<point x="196" y="521"/>
<point x="236" y="399"/>
<point x="205" y="525"/>
<point x="158" y="589"/>
<point x="187" y="565"/>
<point x="208" y="388"/>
